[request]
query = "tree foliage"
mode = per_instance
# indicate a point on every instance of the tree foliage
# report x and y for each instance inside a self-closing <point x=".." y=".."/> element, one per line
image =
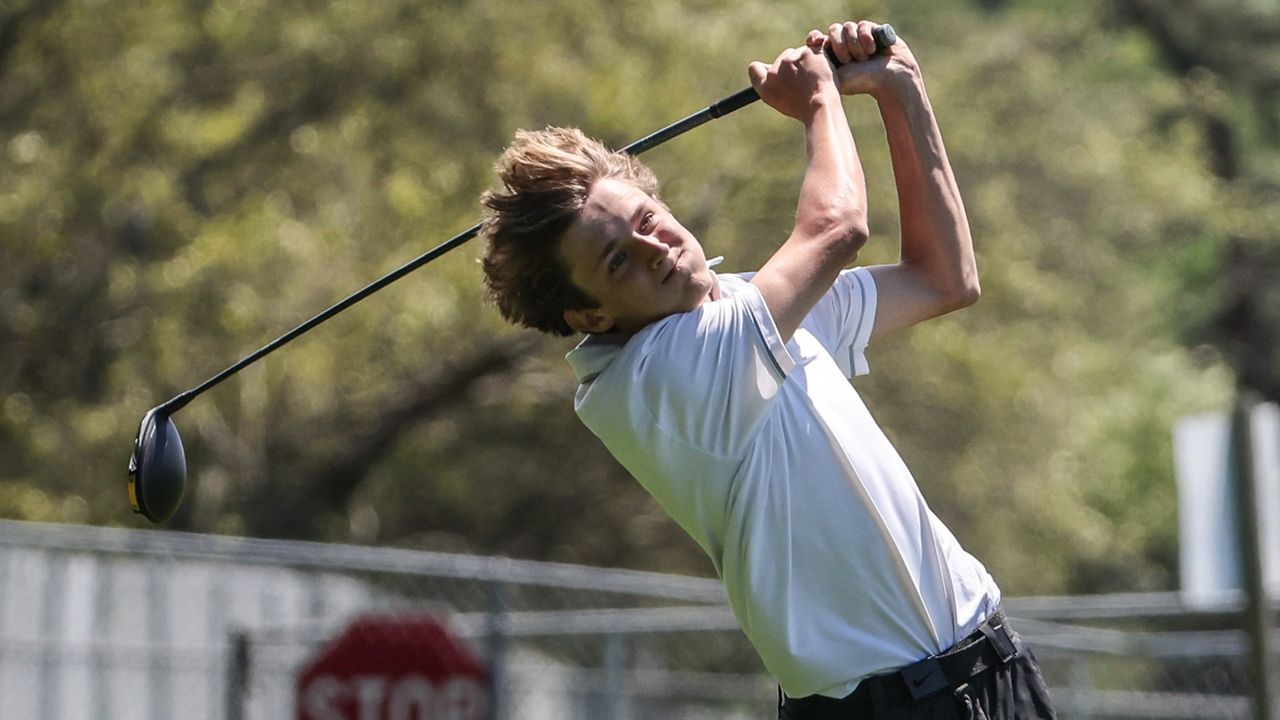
<point x="182" y="181"/>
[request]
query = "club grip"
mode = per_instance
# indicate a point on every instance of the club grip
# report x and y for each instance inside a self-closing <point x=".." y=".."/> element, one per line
<point x="884" y="36"/>
<point x="740" y="99"/>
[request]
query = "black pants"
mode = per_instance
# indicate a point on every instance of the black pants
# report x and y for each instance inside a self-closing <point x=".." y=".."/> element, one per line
<point x="1002" y="688"/>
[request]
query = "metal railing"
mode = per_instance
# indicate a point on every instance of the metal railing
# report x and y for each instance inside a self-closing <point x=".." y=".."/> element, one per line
<point x="111" y="623"/>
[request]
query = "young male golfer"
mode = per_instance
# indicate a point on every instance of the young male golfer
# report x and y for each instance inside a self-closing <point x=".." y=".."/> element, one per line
<point x="727" y="396"/>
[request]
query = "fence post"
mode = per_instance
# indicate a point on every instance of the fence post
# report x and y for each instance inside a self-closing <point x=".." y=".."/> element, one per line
<point x="237" y="673"/>
<point x="160" y="652"/>
<point x="497" y="648"/>
<point x="53" y="638"/>
<point x="100" y="694"/>
<point x="617" y="694"/>
<point x="1257" y="613"/>
<point x="1082" y="685"/>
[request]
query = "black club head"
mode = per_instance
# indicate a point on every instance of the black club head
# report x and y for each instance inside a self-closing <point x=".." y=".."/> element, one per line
<point x="158" y="467"/>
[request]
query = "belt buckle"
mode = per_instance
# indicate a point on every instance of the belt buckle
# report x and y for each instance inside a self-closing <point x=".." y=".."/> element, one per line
<point x="1000" y="640"/>
<point x="924" y="678"/>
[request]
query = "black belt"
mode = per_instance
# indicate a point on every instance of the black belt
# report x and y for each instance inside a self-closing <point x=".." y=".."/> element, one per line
<point x="988" y="646"/>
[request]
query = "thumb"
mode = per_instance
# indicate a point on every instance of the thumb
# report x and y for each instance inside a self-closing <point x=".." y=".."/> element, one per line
<point x="757" y="71"/>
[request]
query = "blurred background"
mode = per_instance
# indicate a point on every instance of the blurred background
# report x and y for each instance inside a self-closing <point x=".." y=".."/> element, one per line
<point x="182" y="181"/>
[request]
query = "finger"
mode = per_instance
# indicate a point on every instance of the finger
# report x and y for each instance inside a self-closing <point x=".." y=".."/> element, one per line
<point x="757" y="71"/>
<point x="866" y="40"/>
<point x="856" y="51"/>
<point x="853" y="39"/>
<point x="815" y="39"/>
<point x="839" y="46"/>
<point x="853" y="36"/>
<point x="793" y="56"/>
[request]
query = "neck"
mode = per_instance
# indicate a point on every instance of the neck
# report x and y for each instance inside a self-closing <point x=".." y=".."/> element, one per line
<point x="620" y="336"/>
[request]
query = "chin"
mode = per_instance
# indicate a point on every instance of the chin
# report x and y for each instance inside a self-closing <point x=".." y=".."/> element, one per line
<point x="701" y="286"/>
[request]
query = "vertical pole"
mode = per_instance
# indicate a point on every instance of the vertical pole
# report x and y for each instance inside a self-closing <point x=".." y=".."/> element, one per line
<point x="100" y="678"/>
<point x="160" y="645"/>
<point x="1256" y="619"/>
<point x="53" y="636"/>
<point x="237" y="674"/>
<point x="497" y="648"/>
<point x="221" y="639"/>
<point x="1082" y="686"/>
<point x="617" y="693"/>
<point x="6" y="658"/>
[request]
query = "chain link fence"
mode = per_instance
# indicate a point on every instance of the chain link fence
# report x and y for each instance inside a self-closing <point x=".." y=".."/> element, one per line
<point x="108" y="623"/>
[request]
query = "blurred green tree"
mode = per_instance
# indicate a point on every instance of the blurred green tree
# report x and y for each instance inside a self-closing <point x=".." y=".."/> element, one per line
<point x="1226" y="55"/>
<point x="182" y="181"/>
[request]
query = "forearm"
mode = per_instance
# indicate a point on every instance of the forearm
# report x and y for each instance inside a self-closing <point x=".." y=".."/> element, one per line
<point x="832" y="206"/>
<point x="936" y="243"/>
<point x="831" y="213"/>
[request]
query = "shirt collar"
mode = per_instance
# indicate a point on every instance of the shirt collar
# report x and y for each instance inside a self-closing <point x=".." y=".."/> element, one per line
<point x="593" y="355"/>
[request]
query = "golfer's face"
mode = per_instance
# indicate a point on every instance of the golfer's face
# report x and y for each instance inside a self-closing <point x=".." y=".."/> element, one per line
<point x="629" y="252"/>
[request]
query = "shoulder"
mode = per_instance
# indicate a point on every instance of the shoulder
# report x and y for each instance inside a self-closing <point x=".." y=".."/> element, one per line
<point x="704" y="378"/>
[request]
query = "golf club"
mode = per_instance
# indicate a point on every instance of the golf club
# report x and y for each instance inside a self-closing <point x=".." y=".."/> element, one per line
<point x="158" y="465"/>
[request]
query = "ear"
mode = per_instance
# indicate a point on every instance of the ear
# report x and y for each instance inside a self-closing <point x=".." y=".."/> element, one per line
<point x="589" y="320"/>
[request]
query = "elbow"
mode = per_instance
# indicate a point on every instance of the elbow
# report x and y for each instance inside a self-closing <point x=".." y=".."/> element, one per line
<point x="951" y="291"/>
<point x="841" y="233"/>
<point x="851" y="234"/>
<point x="856" y="238"/>
<point x="965" y="293"/>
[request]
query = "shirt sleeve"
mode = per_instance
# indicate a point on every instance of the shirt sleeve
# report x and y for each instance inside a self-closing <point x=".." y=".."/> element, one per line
<point x="843" y="318"/>
<point x="710" y="376"/>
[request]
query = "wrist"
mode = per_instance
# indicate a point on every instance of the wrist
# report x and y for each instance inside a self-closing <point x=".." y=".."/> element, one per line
<point x="826" y="98"/>
<point x="901" y="88"/>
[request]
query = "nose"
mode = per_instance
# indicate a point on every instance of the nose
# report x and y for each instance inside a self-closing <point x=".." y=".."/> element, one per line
<point x="657" y="249"/>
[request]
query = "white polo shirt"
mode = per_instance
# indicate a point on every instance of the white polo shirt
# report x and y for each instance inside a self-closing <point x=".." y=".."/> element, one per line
<point x="763" y="452"/>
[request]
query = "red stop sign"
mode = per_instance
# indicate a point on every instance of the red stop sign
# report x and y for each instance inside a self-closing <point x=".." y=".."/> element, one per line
<point x="399" y="667"/>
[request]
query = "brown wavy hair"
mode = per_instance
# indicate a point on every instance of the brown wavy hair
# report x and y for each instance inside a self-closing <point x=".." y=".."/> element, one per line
<point x="546" y="176"/>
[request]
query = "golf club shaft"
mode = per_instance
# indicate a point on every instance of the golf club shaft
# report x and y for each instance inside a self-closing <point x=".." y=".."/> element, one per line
<point x="884" y="36"/>
<point x="717" y="109"/>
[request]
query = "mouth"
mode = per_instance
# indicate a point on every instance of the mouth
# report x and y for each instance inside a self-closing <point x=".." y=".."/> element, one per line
<point x="674" y="264"/>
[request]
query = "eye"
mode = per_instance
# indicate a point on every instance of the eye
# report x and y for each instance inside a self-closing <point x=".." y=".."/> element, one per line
<point x="646" y="223"/>
<point x="616" y="262"/>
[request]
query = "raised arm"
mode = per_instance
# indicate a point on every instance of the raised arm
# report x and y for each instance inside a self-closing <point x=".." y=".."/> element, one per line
<point x="831" y="215"/>
<point x="936" y="272"/>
